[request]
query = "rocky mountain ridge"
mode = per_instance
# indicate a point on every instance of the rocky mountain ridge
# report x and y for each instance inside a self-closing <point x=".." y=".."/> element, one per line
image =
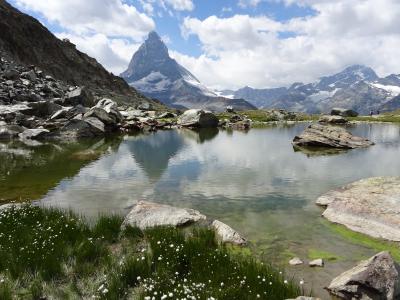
<point x="357" y="87"/>
<point x="154" y="73"/>
<point x="26" y="41"/>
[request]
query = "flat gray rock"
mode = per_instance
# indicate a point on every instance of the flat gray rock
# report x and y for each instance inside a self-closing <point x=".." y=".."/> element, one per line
<point x="370" y="206"/>
<point x="376" y="278"/>
<point x="317" y="135"/>
<point x="227" y="234"/>
<point x="147" y="214"/>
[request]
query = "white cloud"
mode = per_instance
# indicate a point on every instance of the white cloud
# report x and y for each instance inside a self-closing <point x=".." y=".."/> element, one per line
<point x="180" y="4"/>
<point x="110" y="32"/>
<point x="111" y="18"/>
<point x="177" y="5"/>
<point x="247" y="3"/>
<point x="243" y="50"/>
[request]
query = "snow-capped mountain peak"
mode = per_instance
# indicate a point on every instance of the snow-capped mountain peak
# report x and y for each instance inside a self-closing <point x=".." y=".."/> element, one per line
<point x="154" y="73"/>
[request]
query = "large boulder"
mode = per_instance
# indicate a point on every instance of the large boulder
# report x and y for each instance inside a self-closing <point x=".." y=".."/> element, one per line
<point x="333" y="120"/>
<point x="317" y="135"/>
<point x="100" y="114"/>
<point x="370" y="206"/>
<point x="227" y="234"/>
<point x="34" y="134"/>
<point x="148" y="214"/>
<point x="89" y="127"/>
<point x="376" y="279"/>
<point x="344" y="112"/>
<point x="198" y="118"/>
<point x="80" y="96"/>
<point x="43" y="109"/>
<point x="111" y="108"/>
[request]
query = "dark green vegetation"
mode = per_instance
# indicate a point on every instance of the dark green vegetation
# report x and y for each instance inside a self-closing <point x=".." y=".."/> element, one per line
<point x="369" y="242"/>
<point x="53" y="254"/>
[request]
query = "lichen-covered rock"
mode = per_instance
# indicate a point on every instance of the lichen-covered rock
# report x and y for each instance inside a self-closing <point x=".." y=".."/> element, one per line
<point x="227" y="234"/>
<point x="148" y="214"/>
<point x="370" y="206"/>
<point x="317" y="135"/>
<point x="376" y="279"/>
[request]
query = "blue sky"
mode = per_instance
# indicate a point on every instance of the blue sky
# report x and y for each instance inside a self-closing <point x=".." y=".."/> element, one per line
<point x="234" y="43"/>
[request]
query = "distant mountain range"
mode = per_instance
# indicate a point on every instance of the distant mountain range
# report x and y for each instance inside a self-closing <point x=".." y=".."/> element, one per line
<point x="154" y="73"/>
<point x="357" y="87"/>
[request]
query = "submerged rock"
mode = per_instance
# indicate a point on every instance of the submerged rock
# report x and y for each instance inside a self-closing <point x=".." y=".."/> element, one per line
<point x="198" y="118"/>
<point x="228" y="234"/>
<point x="316" y="263"/>
<point x="370" y="206"/>
<point x="375" y="278"/>
<point x="148" y="214"/>
<point x="296" y="261"/>
<point x="317" y="135"/>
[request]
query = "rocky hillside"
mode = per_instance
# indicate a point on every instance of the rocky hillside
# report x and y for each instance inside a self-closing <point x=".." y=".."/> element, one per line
<point x="153" y="72"/>
<point x="357" y="87"/>
<point x="25" y="40"/>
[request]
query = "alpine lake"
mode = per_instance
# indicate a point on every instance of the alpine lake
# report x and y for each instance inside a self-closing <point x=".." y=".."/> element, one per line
<point x="254" y="181"/>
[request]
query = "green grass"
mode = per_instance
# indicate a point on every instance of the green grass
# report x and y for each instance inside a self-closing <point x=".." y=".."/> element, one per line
<point x="325" y="255"/>
<point x="264" y="116"/>
<point x="54" y="254"/>
<point x="369" y="242"/>
<point x="387" y="118"/>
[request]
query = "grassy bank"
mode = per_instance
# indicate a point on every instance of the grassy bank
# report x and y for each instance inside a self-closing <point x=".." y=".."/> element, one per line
<point x="260" y="117"/>
<point x="52" y="254"/>
<point x="265" y="116"/>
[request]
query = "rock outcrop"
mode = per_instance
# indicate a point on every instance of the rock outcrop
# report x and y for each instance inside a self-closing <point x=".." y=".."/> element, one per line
<point x="198" y="118"/>
<point x="370" y="206"/>
<point x="376" y="279"/>
<point x="317" y="135"/>
<point x="148" y="214"/>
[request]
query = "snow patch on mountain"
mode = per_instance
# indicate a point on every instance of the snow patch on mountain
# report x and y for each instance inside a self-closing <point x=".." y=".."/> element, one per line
<point x="391" y="89"/>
